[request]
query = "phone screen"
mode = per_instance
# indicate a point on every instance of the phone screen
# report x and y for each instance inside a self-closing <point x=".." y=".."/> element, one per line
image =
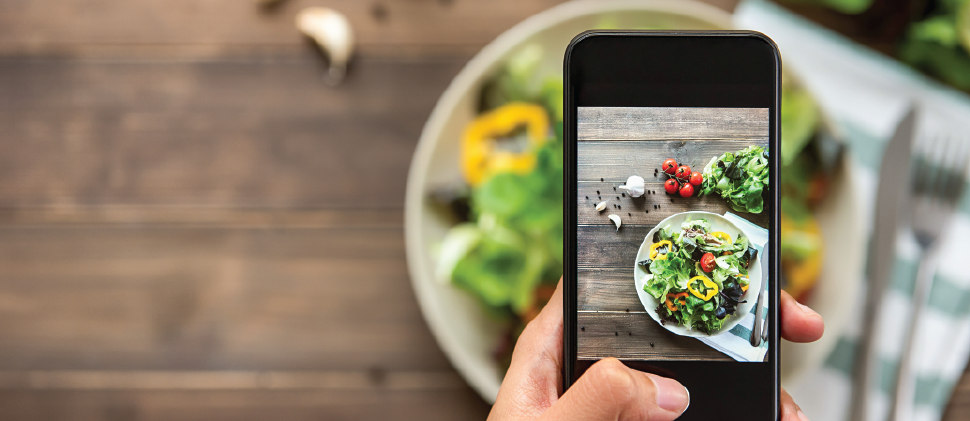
<point x="672" y="230"/>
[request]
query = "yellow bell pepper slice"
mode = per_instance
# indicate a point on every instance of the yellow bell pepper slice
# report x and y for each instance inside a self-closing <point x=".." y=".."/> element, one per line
<point x="744" y="288"/>
<point x="723" y="236"/>
<point x="655" y="254"/>
<point x="673" y="299"/>
<point x="479" y="157"/>
<point x="711" y="288"/>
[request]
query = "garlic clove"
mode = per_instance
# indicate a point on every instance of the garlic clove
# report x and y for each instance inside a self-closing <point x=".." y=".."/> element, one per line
<point x="616" y="220"/>
<point x="601" y="206"/>
<point x="332" y="32"/>
<point x="635" y="185"/>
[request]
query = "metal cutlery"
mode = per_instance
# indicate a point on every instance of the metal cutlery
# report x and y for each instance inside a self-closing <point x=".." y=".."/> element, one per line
<point x="757" y="332"/>
<point x="893" y="176"/>
<point x="943" y="163"/>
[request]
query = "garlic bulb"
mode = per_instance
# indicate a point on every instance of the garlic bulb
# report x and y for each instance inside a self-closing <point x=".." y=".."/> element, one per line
<point x="601" y="206"/>
<point x="332" y="32"/>
<point x="634" y="185"/>
<point x="616" y="220"/>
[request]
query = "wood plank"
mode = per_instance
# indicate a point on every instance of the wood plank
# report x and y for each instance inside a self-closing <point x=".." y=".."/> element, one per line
<point x="209" y="298"/>
<point x="630" y="335"/>
<point x="668" y="123"/>
<point x="200" y="217"/>
<point x="392" y="380"/>
<point x="609" y="289"/>
<point x="649" y="209"/>
<point x="615" y="161"/>
<point x="240" y="133"/>
<point x="220" y="28"/>
<point x="388" y="27"/>
<point x="243" y="405"/>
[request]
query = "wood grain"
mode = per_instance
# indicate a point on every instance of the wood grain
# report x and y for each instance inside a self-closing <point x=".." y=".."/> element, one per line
<point x="630" y="335"/>
<point x="615" y="161"/>
<point x="658" y="123"/>
<point x="237" y="133"/>
<point x="216" y="28"/>
<point x="609" y="289"/>
<point x="209" y="298"/>
<point x="243" y="405"/>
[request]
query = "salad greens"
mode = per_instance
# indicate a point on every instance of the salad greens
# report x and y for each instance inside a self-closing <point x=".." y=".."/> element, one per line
<point x="940" y="44"/>
<point x="691" y="295"/>
<point x="741" y="178"/>
<point x="515" y="241"/>
<point x="508" y="249"/>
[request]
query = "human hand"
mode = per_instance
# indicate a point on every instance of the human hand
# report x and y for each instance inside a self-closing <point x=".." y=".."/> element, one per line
<point x="609" y="390"/>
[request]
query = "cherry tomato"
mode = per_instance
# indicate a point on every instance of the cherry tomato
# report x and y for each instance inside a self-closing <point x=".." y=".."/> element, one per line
<point x="707" y="262"/>
<point x="687" y="190"/>
<point x="696" y="178"/>
<point x="671" y="186"/>
<point x="669" y="166"/>
<point x="683" y="172"/>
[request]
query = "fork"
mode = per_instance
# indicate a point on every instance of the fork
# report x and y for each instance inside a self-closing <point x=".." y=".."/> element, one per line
<point x="943" y="162"/>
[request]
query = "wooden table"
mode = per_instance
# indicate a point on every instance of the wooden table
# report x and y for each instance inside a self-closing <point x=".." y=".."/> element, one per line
<point x="193" y="225"/>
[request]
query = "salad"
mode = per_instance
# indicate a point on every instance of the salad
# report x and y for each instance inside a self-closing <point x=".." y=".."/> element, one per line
<point x="506" y="246"/>
<point x="740" y="178"/>
<point x="698" y="275"/>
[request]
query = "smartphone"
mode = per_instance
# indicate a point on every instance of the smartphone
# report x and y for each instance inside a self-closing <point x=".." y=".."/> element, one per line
<point x="672" y="213"/>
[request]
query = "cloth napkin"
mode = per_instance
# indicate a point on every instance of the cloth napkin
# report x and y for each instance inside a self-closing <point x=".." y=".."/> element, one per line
<point x="736" y="343"/>
<point x="866" y="94"/>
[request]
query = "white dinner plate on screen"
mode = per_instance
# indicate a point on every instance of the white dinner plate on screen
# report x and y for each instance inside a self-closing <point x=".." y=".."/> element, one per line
<point x="718" y="223"/>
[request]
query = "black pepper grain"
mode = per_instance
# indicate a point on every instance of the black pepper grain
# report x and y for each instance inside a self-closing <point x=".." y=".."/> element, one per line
<point x="623" y="194"/>
<point x="583" y="328"/>
<point x="629" y="214"/>
<point x="619" y="207"/>
<point x="597" y="192"/>
<point x="616" y="333"/>
<point x="631" y="333"/>
<point x="651" y="344"/>
<point x="601" y="178"/>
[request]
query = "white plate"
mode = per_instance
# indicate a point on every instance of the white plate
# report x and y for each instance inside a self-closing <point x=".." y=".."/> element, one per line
<point x="457" y="321"/>
<point x="718" y="223"/>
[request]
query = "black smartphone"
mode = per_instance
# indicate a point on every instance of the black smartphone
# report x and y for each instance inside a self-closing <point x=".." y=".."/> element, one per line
<point x="672" y="213"/>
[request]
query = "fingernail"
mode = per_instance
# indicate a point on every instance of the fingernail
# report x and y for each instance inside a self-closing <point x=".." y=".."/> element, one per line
<point x="806" y="309"/>
<point x="801" y="416"/>
<point x="671" y="395"/>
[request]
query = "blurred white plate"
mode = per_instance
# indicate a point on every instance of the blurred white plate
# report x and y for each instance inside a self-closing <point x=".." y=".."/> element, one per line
<point x="718" y="223"/>
<point x="456" y="319"/>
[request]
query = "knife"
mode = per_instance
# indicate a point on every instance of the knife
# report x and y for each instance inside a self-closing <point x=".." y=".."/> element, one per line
<point x="893" y="181"/>
<point x="759" y="311"/>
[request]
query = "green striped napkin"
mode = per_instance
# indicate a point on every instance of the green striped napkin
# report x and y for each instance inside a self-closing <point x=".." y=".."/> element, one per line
<point x="866" y="94"/>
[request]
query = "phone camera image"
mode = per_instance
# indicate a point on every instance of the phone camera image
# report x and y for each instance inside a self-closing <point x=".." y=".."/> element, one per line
<point x="672" y="234"/>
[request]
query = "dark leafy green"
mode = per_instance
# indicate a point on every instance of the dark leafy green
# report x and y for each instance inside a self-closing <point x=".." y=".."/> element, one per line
<point x="740" y="178"/>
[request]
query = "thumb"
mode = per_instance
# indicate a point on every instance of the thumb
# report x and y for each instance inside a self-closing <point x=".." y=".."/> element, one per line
<point x="609" y="390"/>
